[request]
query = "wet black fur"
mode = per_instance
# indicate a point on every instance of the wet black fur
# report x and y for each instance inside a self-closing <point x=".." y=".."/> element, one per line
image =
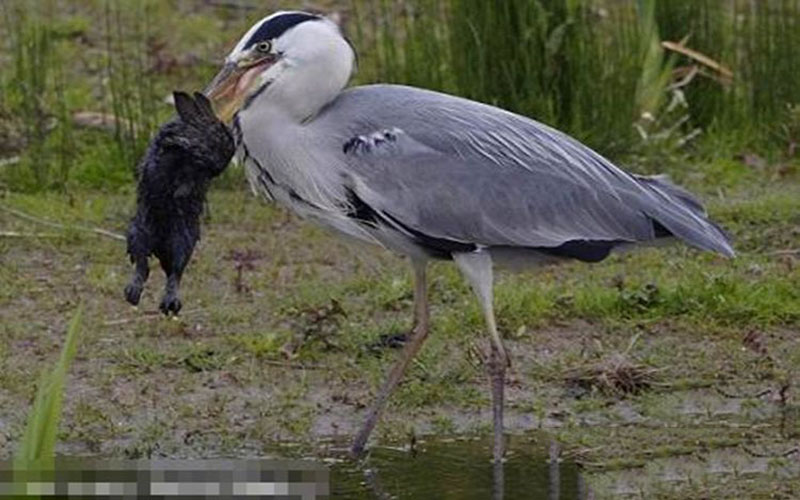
<point x="174" y="177"/>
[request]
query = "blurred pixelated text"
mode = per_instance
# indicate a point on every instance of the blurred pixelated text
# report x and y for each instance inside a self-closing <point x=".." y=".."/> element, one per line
<point x="76" y="478"/>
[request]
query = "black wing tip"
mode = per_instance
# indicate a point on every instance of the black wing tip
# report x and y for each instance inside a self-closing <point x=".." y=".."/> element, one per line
<point x="713" y="239"/>
<point x="725" y="249"/>
<point x="722" y="241"/>
<point x="706" y="234"/>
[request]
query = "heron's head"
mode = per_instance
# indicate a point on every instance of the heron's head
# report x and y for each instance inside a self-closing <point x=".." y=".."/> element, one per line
<point x="293" y="60"/>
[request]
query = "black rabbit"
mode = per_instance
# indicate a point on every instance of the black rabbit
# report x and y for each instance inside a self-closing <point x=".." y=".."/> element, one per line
<point x="183" y="157"/>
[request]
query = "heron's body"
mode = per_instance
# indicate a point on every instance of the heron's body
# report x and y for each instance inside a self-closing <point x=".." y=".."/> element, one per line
<point x="452" y="175"/>
<point x="431" y="175"/>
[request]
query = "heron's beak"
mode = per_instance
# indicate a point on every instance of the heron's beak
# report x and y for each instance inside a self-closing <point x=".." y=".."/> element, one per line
<point x="230" y="88"/>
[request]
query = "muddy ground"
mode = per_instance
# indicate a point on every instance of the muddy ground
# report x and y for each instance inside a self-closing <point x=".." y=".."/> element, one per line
<point x="664" y="373"/>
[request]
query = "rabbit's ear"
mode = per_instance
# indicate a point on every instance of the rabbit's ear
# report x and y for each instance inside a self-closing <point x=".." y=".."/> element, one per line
<point x="186" y="107"/>
<point x="205" y="107"/>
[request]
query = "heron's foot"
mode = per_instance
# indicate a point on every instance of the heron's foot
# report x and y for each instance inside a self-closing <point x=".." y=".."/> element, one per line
<point x="133" y="292"/>
<point x="357" y="451"/>
<point x="495" y="357"/>
<point x="170" y="304"/>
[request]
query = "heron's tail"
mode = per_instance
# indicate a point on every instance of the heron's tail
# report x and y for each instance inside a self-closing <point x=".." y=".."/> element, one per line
<point x="684" y="216"/>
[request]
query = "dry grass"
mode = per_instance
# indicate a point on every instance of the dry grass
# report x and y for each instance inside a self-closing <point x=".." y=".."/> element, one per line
<point x="614" y="376"/>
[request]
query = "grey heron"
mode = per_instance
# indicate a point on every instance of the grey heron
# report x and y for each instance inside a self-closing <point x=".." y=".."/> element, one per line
<point x="431" y="176"/>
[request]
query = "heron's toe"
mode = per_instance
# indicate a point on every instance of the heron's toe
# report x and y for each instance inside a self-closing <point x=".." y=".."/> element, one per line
<point x="497" y="359"/>
<point x="506" y="360"/>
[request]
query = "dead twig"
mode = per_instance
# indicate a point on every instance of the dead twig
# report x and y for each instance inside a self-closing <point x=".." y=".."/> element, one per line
<point x="45" y="222"/>
<point x="754" y="395"/>
<point x="14" y="234"/>
<point x="150" y="316"/>
<point x="4" y="162"/>
<point x="295" y="366"/>
<point x="103" y="121"/>
<point x="580" y="453"/>
<point x="785" y="454"/>
<point x="232" y="5"/>
<point x="724" y="72"/>
<point x="789" y="251"/>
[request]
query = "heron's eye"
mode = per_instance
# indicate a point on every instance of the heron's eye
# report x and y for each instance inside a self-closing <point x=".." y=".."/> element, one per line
<point x="264" y="47"/>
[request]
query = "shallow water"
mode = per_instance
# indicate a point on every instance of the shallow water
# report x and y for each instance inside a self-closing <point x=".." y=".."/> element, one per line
<point x="434" y="468"/>
<point x="458" y="469"/>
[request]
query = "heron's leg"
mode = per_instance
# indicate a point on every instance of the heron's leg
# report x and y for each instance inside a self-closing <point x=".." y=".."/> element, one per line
<point x="477" y="268"/>
<point x="418" y="336"/>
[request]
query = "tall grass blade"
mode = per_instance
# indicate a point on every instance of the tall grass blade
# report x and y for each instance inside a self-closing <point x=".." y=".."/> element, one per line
<point x="38" y="443"/>
<point x="32" y="47"/>
<point x="130" y="87"/>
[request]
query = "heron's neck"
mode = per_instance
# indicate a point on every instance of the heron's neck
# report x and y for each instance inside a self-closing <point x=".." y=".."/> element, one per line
<point x="284" y="150"/>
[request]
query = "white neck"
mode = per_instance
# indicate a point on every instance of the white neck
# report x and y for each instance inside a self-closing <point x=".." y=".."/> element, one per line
<point x="316" y="65"/>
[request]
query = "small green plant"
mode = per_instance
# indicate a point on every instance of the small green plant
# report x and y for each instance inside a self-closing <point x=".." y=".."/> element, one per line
<point x="32" y="50"/>
<point x="38" y="443"/>
<point x="789" y="133"/>
<point x="260" y="345"/>
<point x="34" y="114"/>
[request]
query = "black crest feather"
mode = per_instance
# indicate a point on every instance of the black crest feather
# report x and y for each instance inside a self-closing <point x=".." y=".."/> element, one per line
<point x="278" y="25"/>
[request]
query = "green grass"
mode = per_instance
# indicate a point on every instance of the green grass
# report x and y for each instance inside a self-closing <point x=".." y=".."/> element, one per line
<point x="118" y="58"/>
<point x="217" y="380"/>
<point x="592" y="68"/>
<point x="35" y="63"/>
<point x="285" y="349"/>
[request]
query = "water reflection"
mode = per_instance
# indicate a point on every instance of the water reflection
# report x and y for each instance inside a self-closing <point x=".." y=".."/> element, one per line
<point x="434" y="469"/>
<point x="498" y="481"/>
<point x="555" y="471"/>
<point x="460" y="469"/>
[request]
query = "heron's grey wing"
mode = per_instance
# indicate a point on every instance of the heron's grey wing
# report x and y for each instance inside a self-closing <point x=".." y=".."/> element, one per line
<point x="444" y="198"/>
<point x="469" y="172"/>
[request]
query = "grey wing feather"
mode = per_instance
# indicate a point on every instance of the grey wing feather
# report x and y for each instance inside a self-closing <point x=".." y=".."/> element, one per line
<point x="474" y="173"/>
